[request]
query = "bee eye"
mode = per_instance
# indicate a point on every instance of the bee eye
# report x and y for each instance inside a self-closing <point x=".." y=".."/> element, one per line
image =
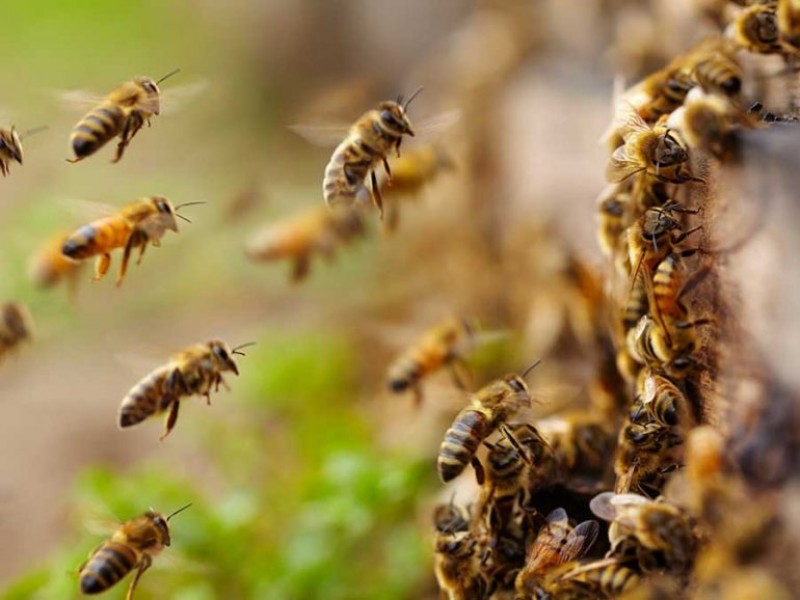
<point x="388" y="117"/>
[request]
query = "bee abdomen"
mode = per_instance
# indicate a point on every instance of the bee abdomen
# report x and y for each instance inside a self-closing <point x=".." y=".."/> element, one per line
<point x="80" y="244"/>
<point x="145" y="399"/>
<point x="461" y="442"/>
<point x="404" y="373"/>
<point x="106" y="567"/>
<point x="96" y="128"/>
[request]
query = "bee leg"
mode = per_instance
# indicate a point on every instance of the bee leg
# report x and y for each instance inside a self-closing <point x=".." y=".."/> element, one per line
<point x="397" y="147"/>
<point x="172" y="418"/>
<point x="101" y="266"/>
<point x="416" y="392"/>
<point x="459" y="371"/>
<point x="4" y="167"/>
<point x="376" y="194"/>
<point x="141" y="254"/>
<point x="300" y="268"/>
<point x="220" y="380"/>
<point x="388" y="170"/>
<point x="126" y="256"/>
<point x="144" y="564"/>
<point x="125" y="137"/>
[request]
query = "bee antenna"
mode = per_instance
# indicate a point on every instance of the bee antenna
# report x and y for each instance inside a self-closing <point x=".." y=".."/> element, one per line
<point x="411" y="97"/>
<point x="240" y="346"/>
<point x="181" y="509"/>
<point x="168" y="75"/>
<point x="180" y="216"/>
<point x="531" y="368"/>
<point x="188" y="204"/>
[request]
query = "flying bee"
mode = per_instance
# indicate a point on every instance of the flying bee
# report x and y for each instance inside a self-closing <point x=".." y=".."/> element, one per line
<point x="756" y="29"/>
<point x="121" y="114"/>
<point x="191" y="372"/>
<point x="596" y="579"/>
<point x="49" y="266"/>
<point x="653" y="151"/>
<point x="658" y="526"/>
<point x="411" y="172"/>
<point x="443" y="345"/>
<point x="555" y="544"/>
<point x="11" y="146"/>
<point x="16" y="326"/>
<point x="132" y="546"/>
<point x="299" y="237"/>
<point x="645" y="455"/>
<point x="490" y="406"/>
<point x="370" y="140"/>
<point x="142" y="222"/>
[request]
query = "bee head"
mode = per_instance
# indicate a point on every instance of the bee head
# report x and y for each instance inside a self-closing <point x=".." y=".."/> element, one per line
<point x="393" y="117"/>
<point x="762" y="26"/>
<point x="152" y="94"/>
<point x="159" y="521"/>
<point x="517" y="384"/>
<point x="459" y="544"/>
<point x="223" y="356"/>
<point x="166" y="212"/>
<point x="11" y="144"/>
<point x="669" y="151"/>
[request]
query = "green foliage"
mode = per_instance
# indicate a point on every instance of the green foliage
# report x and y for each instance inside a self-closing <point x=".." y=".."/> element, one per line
<point x="315" y="512"/>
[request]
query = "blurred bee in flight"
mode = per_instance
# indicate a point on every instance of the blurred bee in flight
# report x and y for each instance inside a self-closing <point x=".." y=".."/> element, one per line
<point x="191" y="372"/>
<point x="49" y="266"/>
<point x="443" y="345"/>
<point x="299" y="237"/>
<point x="11" y="146"/>
<point x="142" y="222"/>
<point x="16" y="326"/>
<point x="132" y="546"/>
<point x="120" y="114"/>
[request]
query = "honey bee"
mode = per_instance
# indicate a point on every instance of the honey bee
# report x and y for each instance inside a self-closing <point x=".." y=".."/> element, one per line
<point x="637" y="304"/>
<point x="670" y="347"/>
<point x="412" y="171"/>
<point x="500" y="483"/>
<point x="756" y="29"/>
<point x="653" y="151"/>
<point x="657" y="526"/>
<point x="121" y="114"/>
<point x="11" y="146"/>
<point x="443" y="345"/>
<point x="612" y="206"/>
<point x="661" y="401"/>
<point x="604" y="578"/>
<point x="660" y="93"/>
<point x="457" y="565"/>
<point x="370" y="140"/>
<point x="49" y="266"/>
<point x="555" y="544"/>
<point x="132" y="546"/>
<point x="298" y="238"/>
<point x="645" y="455"/>
<point x="707" y="122"/>
<point x="488" y="408"/>
<point x="16" y="326"/>
<point x="135" y="225"/>
<point x="715" y="69"/>
<point x="193" y="371"/>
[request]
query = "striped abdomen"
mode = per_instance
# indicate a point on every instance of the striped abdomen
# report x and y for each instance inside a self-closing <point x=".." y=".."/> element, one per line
<point x="147" y="398"/>
<point x="636" y="306"/>
<point x="609" y="581"/>
<point x="666" y="285"/>
<point x="107" y="566"/>
<point x="98" y="237"/>
<point x="412" y="366"/>
<point x="97" y="128"/>
<point x="470" y="428"/>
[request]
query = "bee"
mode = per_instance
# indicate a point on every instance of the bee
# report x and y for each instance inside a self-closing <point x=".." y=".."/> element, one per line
<point x="661" y="401"/>
<point x="443" y="345"/>
<point x="121" y="114"/>
<point x="193" y="371"/>
<point x="488" y="408"/>
<point x="653" y="151"/>
<point x="49" y="266"/>
<point x="298" y="238"/>
<point x="457" y="565"/>
<point x="756" y="29"/>
<point x="707" y="122"/>
<point x="715" y="69"/>
<point x="657" y="526"/>
<point x="132" y="546"/>
<point x="16" y="326"/>
<point x="370" y="140"/>
<point x="637" y="304"/>
<point x="612" y="206"/>
<point x="555" y="544"/>
<point x="11" y="146"/>
<point x="660" y="93"/>
<point x="412" y="171"/>
<point x="142" y="222"/>
<point x="604" y="578"/>
<point x="670" y="347"/>
<point x="645" y="455"/>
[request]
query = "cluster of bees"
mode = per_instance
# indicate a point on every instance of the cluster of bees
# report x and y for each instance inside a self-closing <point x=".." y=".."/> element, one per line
<point x="632" y="496"/>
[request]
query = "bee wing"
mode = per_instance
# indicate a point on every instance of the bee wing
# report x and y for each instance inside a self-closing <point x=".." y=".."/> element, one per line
<point x="579" y="540"/>
<point x="628" y="121"/>
<point x="435" y="124"/>
<point x="544" y="552"/>
<point x="621" y="166"/>
<point x="87" y="210"/>
<point x="321" y="134"/>
<point x="174" y="99"/>
<point x="77" y="99"/>
<point x="602" y="507"/>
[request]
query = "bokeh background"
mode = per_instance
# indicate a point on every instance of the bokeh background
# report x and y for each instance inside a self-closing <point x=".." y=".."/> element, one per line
<point x="307" y="479"/>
